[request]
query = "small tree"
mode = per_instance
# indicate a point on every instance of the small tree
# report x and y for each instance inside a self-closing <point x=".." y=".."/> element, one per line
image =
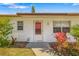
<point x="5" y="31"/>
<point x="33" y="9"/>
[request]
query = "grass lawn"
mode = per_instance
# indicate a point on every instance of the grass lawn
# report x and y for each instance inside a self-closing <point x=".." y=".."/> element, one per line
<point x="16" y="52"/>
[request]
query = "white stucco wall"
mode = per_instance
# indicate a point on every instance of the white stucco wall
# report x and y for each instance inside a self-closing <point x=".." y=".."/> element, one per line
<point x="47" y="26"/>
<point x="27" y="32"/>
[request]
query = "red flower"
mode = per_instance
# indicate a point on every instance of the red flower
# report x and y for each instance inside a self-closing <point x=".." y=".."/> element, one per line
<point x="61" y="37"/>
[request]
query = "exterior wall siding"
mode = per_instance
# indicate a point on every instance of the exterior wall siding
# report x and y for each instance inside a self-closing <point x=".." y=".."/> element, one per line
<point x="47" y="33"/>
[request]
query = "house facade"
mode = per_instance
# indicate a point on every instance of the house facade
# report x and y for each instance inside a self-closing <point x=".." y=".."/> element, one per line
<point x="40" y="27"/>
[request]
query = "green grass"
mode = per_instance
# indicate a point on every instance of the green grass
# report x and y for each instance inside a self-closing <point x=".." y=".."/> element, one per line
<point x="16" y="52"/>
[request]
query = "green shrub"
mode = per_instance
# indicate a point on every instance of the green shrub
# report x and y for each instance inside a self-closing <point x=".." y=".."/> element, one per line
<point x="75" y="31"/>
<point x="5" y="31"/>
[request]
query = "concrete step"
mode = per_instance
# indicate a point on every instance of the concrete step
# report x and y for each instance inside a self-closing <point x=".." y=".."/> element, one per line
<point x="38" y="45"/>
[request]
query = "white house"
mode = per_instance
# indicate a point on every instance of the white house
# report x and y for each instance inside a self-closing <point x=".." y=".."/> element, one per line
<point x="40" y="27"/>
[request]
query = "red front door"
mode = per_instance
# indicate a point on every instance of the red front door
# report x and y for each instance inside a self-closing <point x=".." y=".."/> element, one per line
<point x="38" y="31"/>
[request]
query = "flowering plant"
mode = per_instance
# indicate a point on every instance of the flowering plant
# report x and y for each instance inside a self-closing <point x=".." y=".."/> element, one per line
<point x="63" y="47"/>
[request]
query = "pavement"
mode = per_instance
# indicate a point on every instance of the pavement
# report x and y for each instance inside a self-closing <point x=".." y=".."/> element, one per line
<point x="42" y="52"/>
<point x="41" y="48"/>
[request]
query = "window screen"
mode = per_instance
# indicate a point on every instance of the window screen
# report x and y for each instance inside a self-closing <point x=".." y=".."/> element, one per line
<point x="61" y="26"/>
<point x="19" y="25"/>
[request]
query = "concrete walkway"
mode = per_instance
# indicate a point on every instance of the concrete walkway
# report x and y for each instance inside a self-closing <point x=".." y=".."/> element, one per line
<point x="40" y="48"/>
<point x="41" y="52"/>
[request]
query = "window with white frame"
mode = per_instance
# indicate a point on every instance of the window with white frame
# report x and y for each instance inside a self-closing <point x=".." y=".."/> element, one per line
<point x="19" y="25"/>
<point x="61" y="26"/>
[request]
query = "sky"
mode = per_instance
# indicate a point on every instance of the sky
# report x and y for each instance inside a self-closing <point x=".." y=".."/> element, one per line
<point x="13" y="8"/>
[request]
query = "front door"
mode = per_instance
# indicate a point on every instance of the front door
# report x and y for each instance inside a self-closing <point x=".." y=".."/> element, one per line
<point x="38" y="31"/>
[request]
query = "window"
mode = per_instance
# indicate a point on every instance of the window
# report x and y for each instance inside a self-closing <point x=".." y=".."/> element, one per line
<point x="56" y="29"/>
<point x="66" y="29"/>
<point x="38" y="28"/>
<point x="19" y="25"/>
<point x="61" y="26"/>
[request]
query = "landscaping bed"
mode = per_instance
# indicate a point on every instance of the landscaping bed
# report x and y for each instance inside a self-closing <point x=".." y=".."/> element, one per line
<point x="71" y="50"/>
<point x="19" y="45"/>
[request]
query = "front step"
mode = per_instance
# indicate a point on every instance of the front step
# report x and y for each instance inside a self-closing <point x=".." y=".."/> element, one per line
<point x="38" y="45"/>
